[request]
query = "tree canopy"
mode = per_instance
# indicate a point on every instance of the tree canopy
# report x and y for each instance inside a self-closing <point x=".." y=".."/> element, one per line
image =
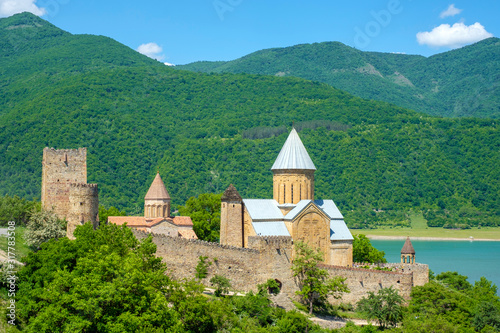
<point x="314" y="282"/>
<point x="43" y="226"/>
<point x="363" y="251"/>
<point x="205" y="214"/>
<point x="107" y="281"/>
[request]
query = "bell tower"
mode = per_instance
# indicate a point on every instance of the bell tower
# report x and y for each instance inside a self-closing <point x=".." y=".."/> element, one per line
<point x="408" y="252"/>
<point x="231" y="218"/>
<point x="293" y="172"/>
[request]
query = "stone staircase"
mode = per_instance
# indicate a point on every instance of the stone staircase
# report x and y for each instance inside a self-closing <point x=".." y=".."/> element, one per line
<point x="283" y="301"/>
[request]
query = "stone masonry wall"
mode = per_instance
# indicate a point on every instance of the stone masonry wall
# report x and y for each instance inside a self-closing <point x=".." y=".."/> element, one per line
<point x="60" y="168"/>
<point x="360" y="281"/>
<point x="269" y="258"/>
<point x="244" y="267"/>
<point x="83" y="207"/>
<point x="420" y="271"/>
<point x="231" y="230"/>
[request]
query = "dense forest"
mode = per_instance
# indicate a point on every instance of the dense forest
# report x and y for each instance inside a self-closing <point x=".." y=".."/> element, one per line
<point x="459" y="83"/>
<point x="377" y="161"/>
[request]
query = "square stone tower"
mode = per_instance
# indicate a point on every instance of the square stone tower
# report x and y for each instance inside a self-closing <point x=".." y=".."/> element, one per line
<point x="60" y="169"/>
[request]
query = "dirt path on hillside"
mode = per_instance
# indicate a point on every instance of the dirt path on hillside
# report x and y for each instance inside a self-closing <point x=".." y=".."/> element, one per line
<point x="336" y="322"/>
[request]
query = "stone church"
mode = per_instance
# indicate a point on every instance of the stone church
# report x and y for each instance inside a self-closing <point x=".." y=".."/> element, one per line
<point x="292" y="212"/>
<point x="157" y="217"/>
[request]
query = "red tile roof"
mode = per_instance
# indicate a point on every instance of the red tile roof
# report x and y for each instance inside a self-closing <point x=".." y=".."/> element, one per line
<point x="137" y="221"/>
<point x="145" y="224"/>
<point x="183" y="220"/>
<point x="187" y="233"/>
<point x="132" y="221"/>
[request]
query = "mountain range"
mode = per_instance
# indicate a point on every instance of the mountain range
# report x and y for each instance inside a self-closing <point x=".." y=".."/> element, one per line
<point x="460" y="83"/>
<point x="204" y="131"/>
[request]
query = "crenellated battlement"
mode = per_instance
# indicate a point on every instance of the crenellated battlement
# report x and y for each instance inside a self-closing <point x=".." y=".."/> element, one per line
<point x="52" y="150"/>
<point x="139" y="234"/>
<point x="269" y="242"/>
<point x="358" y="269"/>
<point x="80" y="185"/>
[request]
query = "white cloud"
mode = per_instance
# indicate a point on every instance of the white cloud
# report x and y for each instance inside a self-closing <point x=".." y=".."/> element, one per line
<point x="453" y="36"/>
<point x="11" y="7"/>
<point x="151" y="50"/>
<point x="169" y="64"/>
<point x="451" y="11"/>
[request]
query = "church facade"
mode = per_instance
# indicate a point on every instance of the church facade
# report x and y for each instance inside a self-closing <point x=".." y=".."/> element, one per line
<point x="293" y="211"/>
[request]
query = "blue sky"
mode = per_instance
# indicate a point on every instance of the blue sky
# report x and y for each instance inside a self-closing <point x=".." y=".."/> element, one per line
<point x="184" y="31"/>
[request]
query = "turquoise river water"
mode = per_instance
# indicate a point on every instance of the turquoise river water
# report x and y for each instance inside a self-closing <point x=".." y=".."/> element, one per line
<point x="471" y="258"/>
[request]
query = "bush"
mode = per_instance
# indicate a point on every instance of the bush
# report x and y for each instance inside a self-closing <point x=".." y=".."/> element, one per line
<point x="221" y="284"/>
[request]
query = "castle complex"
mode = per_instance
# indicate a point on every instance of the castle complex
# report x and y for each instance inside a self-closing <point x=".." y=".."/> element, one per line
<point x="256" y="236"/>
<point x="292" y="212"/>
<point x="65" y="189"/>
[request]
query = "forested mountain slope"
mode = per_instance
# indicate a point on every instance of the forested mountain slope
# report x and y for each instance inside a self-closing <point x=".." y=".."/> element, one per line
<point x="205" y="131"/>
<point x="459" y="83"/>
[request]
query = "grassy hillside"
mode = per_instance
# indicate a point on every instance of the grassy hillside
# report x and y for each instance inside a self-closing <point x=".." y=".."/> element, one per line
<point x="459" y="83"/>
<point x="205" y="131"/>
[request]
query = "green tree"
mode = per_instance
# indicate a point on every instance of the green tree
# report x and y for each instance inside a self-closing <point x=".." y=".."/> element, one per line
<point x="205" y="213"/>
<point x="294" y="322"/>
<point x="363" y="251"/>
<point x="386" y="306"/>
<point x="313" y="281"/>
<point x="42" y="226"/>
<point x="104" y="281"/>
<point x="271" y="286"/>
<point x="111" y="211"/>
<point x="221" y="284"/>
<point x="487" y="314"/>
<point x="434" y="300"/>
<point x="202" y="268"/>
<point x="16" y="209"/>
<point x="454" y="280"/>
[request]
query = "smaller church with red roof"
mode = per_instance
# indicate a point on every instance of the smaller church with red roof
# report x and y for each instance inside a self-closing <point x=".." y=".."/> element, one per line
<point x="157" y="217"/>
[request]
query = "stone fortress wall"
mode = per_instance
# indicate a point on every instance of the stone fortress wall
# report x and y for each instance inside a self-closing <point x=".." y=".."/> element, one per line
<point x="270" y="258"/>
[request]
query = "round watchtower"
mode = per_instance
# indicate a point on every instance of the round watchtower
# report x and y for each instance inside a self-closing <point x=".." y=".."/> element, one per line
<point x="83" y="207"/>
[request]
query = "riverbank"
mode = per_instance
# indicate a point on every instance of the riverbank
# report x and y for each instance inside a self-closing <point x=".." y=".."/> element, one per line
<point x="470" y="239"/>
<point x="427" y="233"/>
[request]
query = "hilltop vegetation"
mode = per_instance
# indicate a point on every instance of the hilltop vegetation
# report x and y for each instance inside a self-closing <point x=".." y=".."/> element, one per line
<point x="205" y="131"/>
<point x="459" y="83"/>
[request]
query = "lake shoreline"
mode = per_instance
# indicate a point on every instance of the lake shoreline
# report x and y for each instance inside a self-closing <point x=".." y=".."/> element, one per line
<point x="380" y="237"/>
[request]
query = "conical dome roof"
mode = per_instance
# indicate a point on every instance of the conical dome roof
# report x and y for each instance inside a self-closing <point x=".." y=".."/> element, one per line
<point x="231" y="194"/>
<point x="293" y="155"/>
<point x="157" y="190"/>
<point x="408" y="247"/>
